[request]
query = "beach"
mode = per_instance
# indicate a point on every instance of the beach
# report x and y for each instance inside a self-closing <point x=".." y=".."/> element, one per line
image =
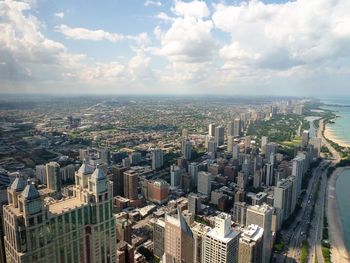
<point x="335" y="226"/>
<point x="330" y="135"/>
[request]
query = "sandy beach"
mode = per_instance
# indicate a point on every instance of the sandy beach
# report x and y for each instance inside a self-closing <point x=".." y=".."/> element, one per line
<point x="336" y="233"/>
<point x="330" y="135"/>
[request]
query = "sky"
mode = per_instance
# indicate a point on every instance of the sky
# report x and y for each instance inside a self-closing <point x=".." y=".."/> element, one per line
<point x="257" y="47"/>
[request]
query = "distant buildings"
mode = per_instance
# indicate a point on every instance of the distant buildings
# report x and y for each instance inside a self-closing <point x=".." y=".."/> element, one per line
<point x="237" y="127"/>
<point x="204" y="183"/>
<point x="219" y="135"/>
<point x="186" y="149"/>
<point x="53" y="176"/>
<point x="211" y="130"/>
<point x="131" y="184"/>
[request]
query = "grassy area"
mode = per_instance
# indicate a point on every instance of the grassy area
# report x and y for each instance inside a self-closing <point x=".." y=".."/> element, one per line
<point x="304" y="251"/>
<point x="326" y="252"/>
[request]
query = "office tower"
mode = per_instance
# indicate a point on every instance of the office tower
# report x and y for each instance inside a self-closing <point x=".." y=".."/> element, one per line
<point x="77" y="229"/>
<point x="317" y="144"/>
<point x="157" y="159"/>
<point x="230" y="142"/>
<point x="118" y="179"/>
<point x="211" y="130"/>
<point x="158" y="238"/>
<point x="53" y="176"/>
<point x="262" y="216"/>
<point x="239" y="212"/>
<point x="235" y="151"/>
<point x="40" y="173"/>
<point x="212" y="146"/>
<point x="264" y="142"/>
<point x="175" y="175"/>
<point x="221" y="243"/>
<point x="67" y="173"/>
<point x="135" y="158"/>
<point x="219" y="135"/>
<point x="257" y="179"/>
<point x="271" y="148"/>
<point x="130" y="184"/>
<point x="237" y="127"/>
<point x="241" y="180"/>
<point x="126" y="162"/>
<point x="305" y="138"/>
<point x="204" y="183"/>
<point x="200" y="232"/>
<point x="158" y="191"/>
<point x="251" y="244"/>
<point x="123" y="229"/>
<point x="186" y="149"/>
<point x="269" y="174"/>
<point x="193" y="171"/>
<point x="105" y="156"/>
<point x="178" y="239"/>
<point x="297" y="172"/>
<point x="230" y="128"/>
<point x="194" y="203"/>
<point x="283" y="195"/>
<point x="125" y="252"/>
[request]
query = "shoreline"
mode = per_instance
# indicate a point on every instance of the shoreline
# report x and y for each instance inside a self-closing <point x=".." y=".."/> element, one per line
<point x="339" y="252"/>
<point x="330" y="135"/>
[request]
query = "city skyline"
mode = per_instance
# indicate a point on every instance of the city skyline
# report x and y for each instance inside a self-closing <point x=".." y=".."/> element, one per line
<point x="175" y="47"/>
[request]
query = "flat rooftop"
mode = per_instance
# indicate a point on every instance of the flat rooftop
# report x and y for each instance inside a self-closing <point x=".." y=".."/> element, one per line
<point x="65" y="205"/>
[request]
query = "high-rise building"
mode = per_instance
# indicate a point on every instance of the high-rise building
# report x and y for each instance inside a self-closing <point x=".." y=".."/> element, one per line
<point x="211" y="130"/>
<point x="230" y="143"/>
<point x="158" y="191"/>
<point x="235" y="151"/>
<point x="297" y="172"/>
<point x="123" y="229"/>
<point x="200" y="232"/>
<point x="126" y="162"/>
<point x="53" y="176"/>
<point x="317" y="144"/>
<point x="178" y="239"/>
<point x="230" y="128"/>
<point x="105" y="156"/>
<point x="305" y="138"/>
<point x="193" y="171"/>
<point x="204" y="183"/>
<point x="271" y="148"/>
<point x="158" y="237"/>
<point x="118" y="179"/>
<point x="264" y="142"/>
<point x="283" y="196"/>
<point x="262" y="216"/>
<point x="76" y="229"/>
<point x="212" y="146"/>
<point x="135" y="158"/>
<point x="251" y="245"/>
<point x="237" y="127"/>
<point x="157" y="159"/>
<point x="175" y="175"/>
<point x="186" y="149"/>
<point x="239" y="212"/>
<point x="194" y="203"/>
<point x="242" y="180"/>
<point x="67" y="173"/>
<point x="131" y="184"/>
<point x="219" y="135"/>
<point x="221" y="243"/>
<point x="40" y="173"/>
<point x="269" y="174"/>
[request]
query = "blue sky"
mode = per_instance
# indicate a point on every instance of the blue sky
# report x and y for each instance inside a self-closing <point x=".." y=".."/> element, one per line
<point x="174" y="46"/>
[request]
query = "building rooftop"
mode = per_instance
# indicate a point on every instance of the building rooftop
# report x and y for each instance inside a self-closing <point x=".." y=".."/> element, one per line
<point x="61" y="206"/>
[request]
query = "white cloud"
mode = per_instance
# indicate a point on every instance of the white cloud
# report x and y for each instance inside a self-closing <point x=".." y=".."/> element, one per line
<point x="164" y="16"/>
<point x="59" y="15"/>
<point x="155" y="3"/>
<point x="198" y="9"/>
<point x="80" y="33"/>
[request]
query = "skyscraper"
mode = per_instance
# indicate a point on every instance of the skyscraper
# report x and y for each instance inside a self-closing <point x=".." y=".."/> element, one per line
<point x="158" y="238"/>
<point x="204" y="183"/>
<point x="235" y="151"/>
<point x="237" y="127"/>
<point x="251" y="245"/>
<point x="211" y="130"/>
<point x="194" y="203"/>
<point x="76" y="229"/>
<point x="219" y="135"/>
<point x="130" y="184"/>
<point x="231" y="129"/>
<point x="157" y="159"/>
<point x="262" y="216"/>
<point x="193" y="171"/>
<point x="297" y="172"/>
<point x="40" y="173"/>
<point x="212" y="146"/>
<point x="269" y="174"/>
<point x="53" y="176"/>
<point x="283" y="196"/>
<point x="221" y="243"/>
<point x="200" y="232"/>
<point x="178" y="239"/>
<point x="264" y="142"/>
<point x="271" y="148"/>
<point x="305" y="138"/>
<point x="118" y="179"/>
<point x="186" y="149"/>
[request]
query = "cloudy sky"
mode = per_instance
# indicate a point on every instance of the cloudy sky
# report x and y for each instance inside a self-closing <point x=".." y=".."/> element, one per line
<point x="170" y="46"/>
